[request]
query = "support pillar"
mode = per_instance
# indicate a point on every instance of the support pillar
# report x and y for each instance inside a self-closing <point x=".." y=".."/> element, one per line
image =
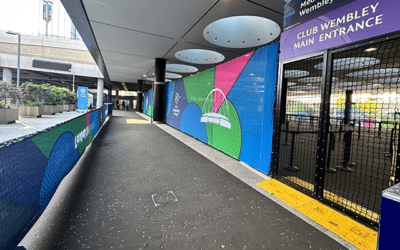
<point x="158" y="92"/>
<point x="100" y="88"/>
<point x="139" y="100"/>
<point x="116" y="97"/>
<point x="109" y="97"/>
<point x="7" y="75"/>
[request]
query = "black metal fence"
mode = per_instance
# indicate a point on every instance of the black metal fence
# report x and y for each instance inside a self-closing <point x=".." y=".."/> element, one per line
<point x="336" y="129"/>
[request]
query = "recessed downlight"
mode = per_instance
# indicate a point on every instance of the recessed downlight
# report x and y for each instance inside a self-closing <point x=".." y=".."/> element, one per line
<point x="242" y="31"/>
<point x="199" y="56"/>
<point x="180" y="68"/>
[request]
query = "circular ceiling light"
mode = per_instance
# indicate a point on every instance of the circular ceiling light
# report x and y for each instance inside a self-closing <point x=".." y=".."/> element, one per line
<point x="171" y="75"/>
<point x="351" y="63"/>
<point x="242" y="31"/>
<point x="296" y="73"/>
<point x="345" y="84"/>
<point x="152" y="79"/>
<point x="180" y="68"/>
<point x="387" y="72"/>
<point x="315" y="79"/>
<point x="199" y="56"/>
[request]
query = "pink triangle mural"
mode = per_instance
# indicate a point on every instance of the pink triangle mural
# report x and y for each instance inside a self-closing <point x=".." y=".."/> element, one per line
<point x="226" y="75"/>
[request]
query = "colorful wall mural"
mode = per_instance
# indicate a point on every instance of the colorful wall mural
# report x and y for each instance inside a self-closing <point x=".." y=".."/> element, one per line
<point x="148" y="103"/>
<point x="31" y="170"/>
<point x="211" y="107"/>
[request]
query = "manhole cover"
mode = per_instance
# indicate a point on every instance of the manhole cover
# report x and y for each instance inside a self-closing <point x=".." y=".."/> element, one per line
<point x="163" y="198"/>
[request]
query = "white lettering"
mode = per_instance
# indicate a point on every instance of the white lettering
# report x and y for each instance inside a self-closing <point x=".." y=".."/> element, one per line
<point x="373" y="7"/>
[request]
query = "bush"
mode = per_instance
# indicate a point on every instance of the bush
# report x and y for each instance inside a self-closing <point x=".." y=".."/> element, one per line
<point x="32" y="103"/>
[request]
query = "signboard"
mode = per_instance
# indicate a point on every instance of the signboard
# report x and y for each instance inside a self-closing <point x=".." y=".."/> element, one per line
<point x="356" y="21"/>
<point x="301" y="11"/>
<point x="83" y="98"/>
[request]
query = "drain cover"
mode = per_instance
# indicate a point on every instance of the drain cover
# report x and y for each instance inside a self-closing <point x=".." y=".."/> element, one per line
<point x="163" y="198"/>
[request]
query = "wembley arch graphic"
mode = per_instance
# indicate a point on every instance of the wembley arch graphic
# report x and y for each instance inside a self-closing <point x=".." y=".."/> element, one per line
<point x="215" y="118"/>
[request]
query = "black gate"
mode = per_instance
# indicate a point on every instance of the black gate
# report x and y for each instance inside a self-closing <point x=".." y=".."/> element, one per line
<point x="336" y="128"/>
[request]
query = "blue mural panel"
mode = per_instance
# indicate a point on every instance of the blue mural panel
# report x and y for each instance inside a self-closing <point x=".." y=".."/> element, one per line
<point x="178" y="105"/>
<point x="169" y="88"/>
<point x="62" y="159"/>
<point x="32" y="169"/>
<point x="252" y="97"/>
<point x="191" y="122"/>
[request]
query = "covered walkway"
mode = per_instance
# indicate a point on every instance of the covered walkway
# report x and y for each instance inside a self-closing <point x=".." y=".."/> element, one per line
<point x="138" y="187"/>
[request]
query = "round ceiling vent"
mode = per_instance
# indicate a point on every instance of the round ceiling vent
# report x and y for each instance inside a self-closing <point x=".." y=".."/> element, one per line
<point x="199" y="56"/>
<point x="152" y="79"/>
<point x="296" y="73"/>
<point x="242" y="31"/>
<point x="351" y="63"/>
<point x="180" y="68"/>
<point x="171" y="75"/>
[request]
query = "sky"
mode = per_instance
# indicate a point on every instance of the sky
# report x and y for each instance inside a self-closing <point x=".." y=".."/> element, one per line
<point x="26" y="17"/>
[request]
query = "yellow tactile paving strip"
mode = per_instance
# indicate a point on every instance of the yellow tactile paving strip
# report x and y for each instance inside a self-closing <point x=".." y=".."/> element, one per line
<point x="337" y="199"/>
<point x="137" y="121"/>
<point x="350" y="230"/>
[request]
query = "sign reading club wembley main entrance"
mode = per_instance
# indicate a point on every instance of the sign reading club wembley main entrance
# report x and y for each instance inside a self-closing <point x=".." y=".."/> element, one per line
<point x="354" y="21"/>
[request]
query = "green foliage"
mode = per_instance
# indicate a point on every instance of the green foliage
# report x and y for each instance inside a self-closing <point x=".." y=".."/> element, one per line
<point x="28" y="103"/>
<point x="1" y="105"/>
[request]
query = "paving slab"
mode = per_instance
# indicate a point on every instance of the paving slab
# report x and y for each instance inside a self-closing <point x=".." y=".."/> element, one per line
<point x="138" y="187"/>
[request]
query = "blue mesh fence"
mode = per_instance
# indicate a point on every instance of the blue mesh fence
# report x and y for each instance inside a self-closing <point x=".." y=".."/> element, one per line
<point x="32" y="168"/>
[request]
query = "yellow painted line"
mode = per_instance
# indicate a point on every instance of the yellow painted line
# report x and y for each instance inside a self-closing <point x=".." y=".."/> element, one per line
<point x="137" y="121"/>
<point x="26" y="125"/>
<point x="350" y="230"/>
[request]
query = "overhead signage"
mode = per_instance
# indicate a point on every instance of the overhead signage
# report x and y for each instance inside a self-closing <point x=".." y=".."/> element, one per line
<point x="83" y="98"/>
<point x="356" y="21"/>
<point x="300" y="11"/>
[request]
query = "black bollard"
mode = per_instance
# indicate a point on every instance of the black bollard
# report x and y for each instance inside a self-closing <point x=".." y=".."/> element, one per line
<point x="286" y="143"/>
<point x="346" y="154"/>
<point x="390" y="153"/>
<point x="291" y="167"/>
<point x="379" y="129"/>
<point x="330" y="149"/>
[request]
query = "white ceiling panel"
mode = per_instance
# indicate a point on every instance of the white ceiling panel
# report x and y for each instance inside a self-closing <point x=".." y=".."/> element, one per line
<point x="171" y="18"/>
<point x="128" y="60"/>
<point x="130" y="42"/>
<point x="124" y="70"/>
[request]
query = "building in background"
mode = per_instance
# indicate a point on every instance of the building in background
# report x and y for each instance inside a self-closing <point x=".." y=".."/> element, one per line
<point x="28" y="17"/>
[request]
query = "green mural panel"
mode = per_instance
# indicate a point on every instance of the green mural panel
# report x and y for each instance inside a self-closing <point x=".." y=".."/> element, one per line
<point x="46" y="140"/>
<point x="199" y="86"/>
<point x="228" y="140"/>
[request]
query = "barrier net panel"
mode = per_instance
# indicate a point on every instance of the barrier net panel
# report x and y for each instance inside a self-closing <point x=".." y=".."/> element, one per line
<point x="363" y="132"/>
<point x="299" y="132"/>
